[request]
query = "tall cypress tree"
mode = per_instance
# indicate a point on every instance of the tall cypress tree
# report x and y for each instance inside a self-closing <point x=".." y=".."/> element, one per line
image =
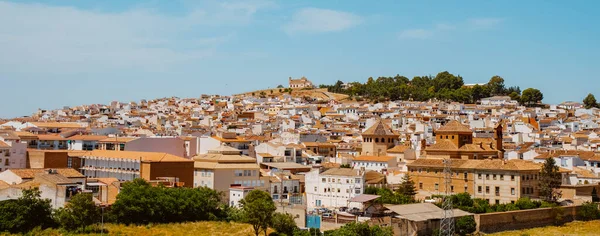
<point x="550" y="181"/>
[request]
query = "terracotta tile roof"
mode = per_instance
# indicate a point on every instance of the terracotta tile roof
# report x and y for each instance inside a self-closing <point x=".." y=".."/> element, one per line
<point x="584" y="155"/>
<point x="583" y="173"/>
<point x="57" y="124"/>
<point x="374" y="158"/>
<point x="50" y="137"/>
<point x="32" y="172"/>
<point x="117" y="139"/>
<point x="4" y="145"/>
<point x="231" y="140"/>
<point x="87" y="137"/>
<point x="488" y="164"/>
<point x="379" y="129"/>
<point x="398" y="149"/>
<point x="454" y="126"/>
<point x="341" y="172"/>
<point x="443" y="145"/>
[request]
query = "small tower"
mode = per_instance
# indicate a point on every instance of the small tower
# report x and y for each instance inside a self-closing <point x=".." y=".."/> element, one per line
<point x="377" y="139"/>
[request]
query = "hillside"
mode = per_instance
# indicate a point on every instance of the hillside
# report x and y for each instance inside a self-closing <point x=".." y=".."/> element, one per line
<point x="321" y="94"/>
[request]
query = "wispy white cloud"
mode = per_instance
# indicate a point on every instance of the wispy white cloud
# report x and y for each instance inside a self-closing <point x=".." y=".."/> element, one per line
<point x="53" y="39"/>
<point x="484" y="23"/>
<point x="315" y="20"/>
<point x="473" y="23"/>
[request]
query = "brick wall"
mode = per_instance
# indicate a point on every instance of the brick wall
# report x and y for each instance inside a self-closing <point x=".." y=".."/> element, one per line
<point x="515" y="220"/>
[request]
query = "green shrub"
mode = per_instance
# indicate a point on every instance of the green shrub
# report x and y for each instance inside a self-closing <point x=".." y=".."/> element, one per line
<point x="588" y="211"/>
<point x="525" y="203"/>
<point x="465" y="225"/>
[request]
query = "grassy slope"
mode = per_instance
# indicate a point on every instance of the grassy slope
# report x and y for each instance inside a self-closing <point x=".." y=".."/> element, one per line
<point x="314" y="93"/>
<point x="573" y="228"/>
<point x="207" y="228"/>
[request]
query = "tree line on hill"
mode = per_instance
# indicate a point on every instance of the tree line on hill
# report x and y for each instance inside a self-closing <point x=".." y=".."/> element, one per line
<point x="442" y="87"/>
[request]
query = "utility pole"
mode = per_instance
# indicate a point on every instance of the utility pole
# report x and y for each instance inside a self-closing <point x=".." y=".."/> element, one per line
<point x="447" y="223"/>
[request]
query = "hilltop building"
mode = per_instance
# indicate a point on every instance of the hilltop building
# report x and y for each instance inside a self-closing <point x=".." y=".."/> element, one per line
<point x="300" y="83"/>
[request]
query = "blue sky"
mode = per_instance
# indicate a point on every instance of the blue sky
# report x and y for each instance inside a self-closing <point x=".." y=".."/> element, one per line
<point x="66" y="53"/>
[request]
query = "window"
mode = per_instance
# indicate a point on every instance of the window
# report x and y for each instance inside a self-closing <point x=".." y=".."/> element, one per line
<point x="497" y="191"/>
<point x="451" y="188"/>
<point x="487" y="176"/>
<point x="479" y="189"/>
<point x="487" y="189"/>
<point x="420" y="185"/>
<point x="512" y="191"/>
<point x="479" y="176"/>
<point x="512" y="178"/>
<point x="347" y="181"/>
<point x="316" y="189"/>
<point x="323" y="180"/>
<point x="497" y="201"/>
<point x="436" y="186"/>
<point x="494" y="177"/>
<point x="357" y="181"/>
<point x="466" y="188"/>
<point x="501" y="177"/>
<point x="466" y="175"/>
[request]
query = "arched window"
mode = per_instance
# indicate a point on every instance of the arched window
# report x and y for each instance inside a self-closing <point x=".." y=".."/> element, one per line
<point x="376" y="140"/>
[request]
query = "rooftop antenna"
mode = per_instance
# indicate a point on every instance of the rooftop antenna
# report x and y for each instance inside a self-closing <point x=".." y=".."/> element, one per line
<point x="447" y="223"/>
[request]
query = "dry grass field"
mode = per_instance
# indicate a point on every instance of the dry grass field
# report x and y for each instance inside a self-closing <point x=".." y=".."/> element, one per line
<point x="205" y="228"/>
<point x="573" y="228"/>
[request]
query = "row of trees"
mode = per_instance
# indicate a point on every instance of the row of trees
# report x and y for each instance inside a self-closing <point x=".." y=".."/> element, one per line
<point x="30" y="211"/>
<point x="444" y="87"/>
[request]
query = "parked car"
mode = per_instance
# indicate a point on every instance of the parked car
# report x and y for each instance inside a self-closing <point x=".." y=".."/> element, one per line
<point x="343" y="209"/>
<point x="327" y="215"/>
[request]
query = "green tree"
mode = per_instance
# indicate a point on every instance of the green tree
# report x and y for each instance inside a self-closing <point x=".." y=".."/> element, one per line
<point x="595" y="197"/>
<point x="345" y="166"/>
<point x="26" y="213"/>
<point x="496" y="86"/>
<point x="447" y="80"/>
<point x="140" y="203"/>
<point x="280" y="86"/>
<point x="515" y="96"/>
<point x="465" y="225"/>
<point x="79" y="213"/>
<point x="408" y="186"/>
<point x="550" y="180"/>
<point x="590" y="101"/>
<point x="258" y="208"/>
<point x="283" y="223"/>
<point x="588" y="211"/>
<point x="531" y="96"/>
<point x="360" y="229"/>
<point x="478" y="92"/>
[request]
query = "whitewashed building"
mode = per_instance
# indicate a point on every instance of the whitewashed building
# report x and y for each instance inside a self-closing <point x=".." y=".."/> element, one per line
<point x="237" y="193"/>
<point x="334" y="187"/>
